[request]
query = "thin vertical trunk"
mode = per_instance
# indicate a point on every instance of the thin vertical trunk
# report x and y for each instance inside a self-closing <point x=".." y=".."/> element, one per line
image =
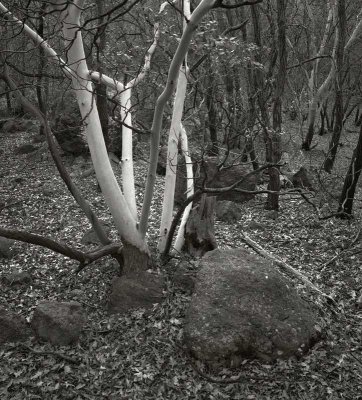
<point x="173" y="144"/>
<point x="101" y="88"/>
<point x="351" y="179"/>
<point x="316" y="94"/>
<point x="180" y="238"/>
<point x="40" y="80"/>
<point x="211" y="111"/>
<point x="8" y="101"/>
<point x="339" y="113"/>
<point x="127" y="152"/>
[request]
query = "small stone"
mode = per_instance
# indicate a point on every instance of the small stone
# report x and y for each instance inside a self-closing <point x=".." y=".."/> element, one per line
<point x="13" y="328"/>
<point x="5" y="247"/>
<point x="272" y="214"/>
<point x="16" y="278"/>
<point x="25" y="149"/>
<point x="228" y="211"/>
<point x="58" y="323"/>
<point x="255" y="226"/>
<point x="184" y="279"/>
<point x="76" y="293"/>
<point x="48" y="190"/>
<point x="90" y="237"/>
<point x="129" y="293"/>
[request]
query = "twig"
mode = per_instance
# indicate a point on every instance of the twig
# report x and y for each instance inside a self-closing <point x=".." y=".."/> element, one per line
<point x="53" y="353"/>
<point x="282" y="264"/>
<point x="333" y="259"/>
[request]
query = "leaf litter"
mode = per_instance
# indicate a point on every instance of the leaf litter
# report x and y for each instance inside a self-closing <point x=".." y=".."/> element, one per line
<point x="139" y="355"/>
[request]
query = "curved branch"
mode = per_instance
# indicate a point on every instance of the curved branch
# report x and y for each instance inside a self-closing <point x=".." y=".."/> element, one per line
<point x="220" y="4"/>
<point x="39" y="240"/>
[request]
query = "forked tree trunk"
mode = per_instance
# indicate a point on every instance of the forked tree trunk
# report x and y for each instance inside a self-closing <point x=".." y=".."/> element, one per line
<point x="351" y="180"/>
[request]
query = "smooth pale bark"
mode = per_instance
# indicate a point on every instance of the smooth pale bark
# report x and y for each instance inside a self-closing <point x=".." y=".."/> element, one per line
<point x="172" y="155"/>
<point x="201" y="10"/>
<point x="127" y="133"/>
<point x="127" y="153"/>
<point x="125" y="223"/>
<point x="172" y="147"/>
<point x="101" y="88"/>
<point x="77" y="69"/>
<point x="180" y="238"/>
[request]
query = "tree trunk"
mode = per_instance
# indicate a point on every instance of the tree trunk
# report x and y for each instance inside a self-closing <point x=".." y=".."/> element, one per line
<point x="8" y="101"/>
<point x="40" y="80"/>
<point x="199" y="233"/>
<point x="275" y="136"/>
<point x="135" y="261"/>
<point x="351" y="179"/>
<point x="211" y="111"/>
<point x="339" y="113"/>
<point x="101" y="88"/>
<point x="314" y="94"/>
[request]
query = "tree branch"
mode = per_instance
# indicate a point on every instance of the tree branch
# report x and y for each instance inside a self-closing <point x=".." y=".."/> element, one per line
<point x="220" y="4"/>
<point x="62" y="248"/>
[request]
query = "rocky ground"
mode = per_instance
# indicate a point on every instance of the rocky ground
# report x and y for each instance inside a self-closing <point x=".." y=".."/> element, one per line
<point x="140" y="355"/>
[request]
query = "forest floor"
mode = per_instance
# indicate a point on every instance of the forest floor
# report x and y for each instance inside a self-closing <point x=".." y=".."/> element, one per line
<point x="139" y="355"/>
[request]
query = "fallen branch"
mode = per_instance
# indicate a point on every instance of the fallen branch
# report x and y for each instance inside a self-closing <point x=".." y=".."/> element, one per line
<point x="282" y="264"/>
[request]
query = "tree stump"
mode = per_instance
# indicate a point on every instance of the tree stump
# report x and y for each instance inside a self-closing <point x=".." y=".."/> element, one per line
<point x="199" y="231"/>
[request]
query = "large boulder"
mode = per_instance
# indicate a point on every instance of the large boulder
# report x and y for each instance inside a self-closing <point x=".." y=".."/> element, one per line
<point x="132" y="292"/>
<point x="58" y="323"/>
<point x="206" y="172"/>
<point x="243" y="308"/>
<point x="13" y="328"/>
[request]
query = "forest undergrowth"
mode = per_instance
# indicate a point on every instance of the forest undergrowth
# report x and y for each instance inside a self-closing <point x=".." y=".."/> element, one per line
<point x="139" y="355"/>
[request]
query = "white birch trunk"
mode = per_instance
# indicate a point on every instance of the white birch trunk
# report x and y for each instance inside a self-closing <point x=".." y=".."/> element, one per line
<point x="201" y="10"/>
<point x="180" y="238"/>
<point x="172" y="153"/>
<point x="82" y="86"/>
<point x="172" y="148"/>
<point x="127" y="153"/>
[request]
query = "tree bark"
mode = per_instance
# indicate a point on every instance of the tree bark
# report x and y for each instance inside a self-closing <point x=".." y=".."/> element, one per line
<point x="351" y="180"/>
<point x="213" y="150"/>
<point x="199" y="232"/>
<point x="100" y="88"/>
<point x="339" y="110"/>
